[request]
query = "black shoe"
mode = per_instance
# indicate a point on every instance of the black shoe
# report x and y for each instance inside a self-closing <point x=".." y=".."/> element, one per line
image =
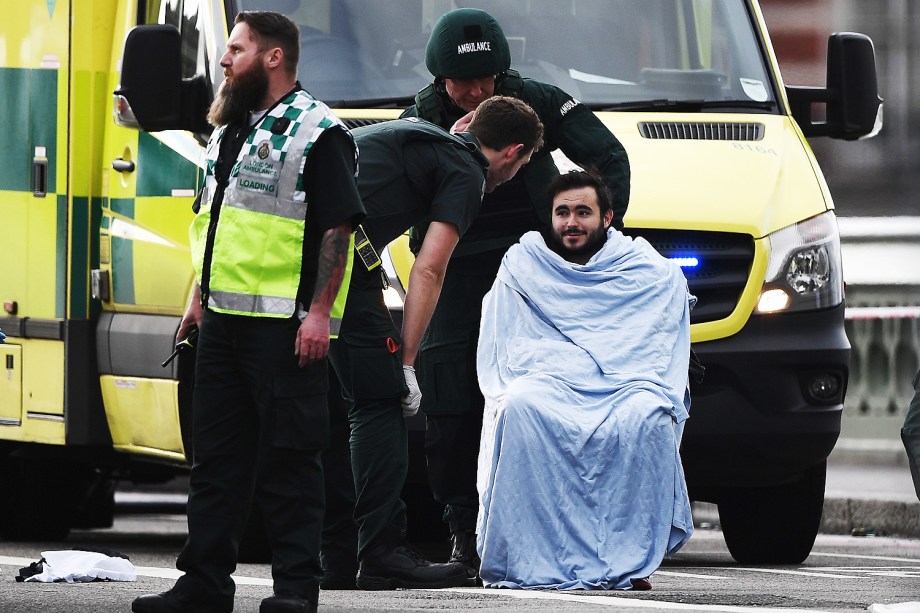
<point x="173" y="601"/>
<point x="336" y="581"/>
<point x="387" y="567"/>
<point x="287" y="602"/>
<point x="641" y="585"/>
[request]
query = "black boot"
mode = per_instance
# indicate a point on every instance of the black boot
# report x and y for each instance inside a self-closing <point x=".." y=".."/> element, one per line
<point x="464" y="552"/>
<point x="287" y="602"/>
<point x="389" y="566"/>
<point x="174" y="601"/>
<point x="339" y="571"/>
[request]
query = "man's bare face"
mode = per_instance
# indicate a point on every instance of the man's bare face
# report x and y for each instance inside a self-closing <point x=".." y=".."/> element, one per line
<point x="505" y="168"/>
<point x="579" y="230"/>
<point x="245" y="78"/>
<point x="469" y="93"/>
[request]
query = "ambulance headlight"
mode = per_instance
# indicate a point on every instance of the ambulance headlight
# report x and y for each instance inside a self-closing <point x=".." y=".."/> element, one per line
<point x="803" y="272"/>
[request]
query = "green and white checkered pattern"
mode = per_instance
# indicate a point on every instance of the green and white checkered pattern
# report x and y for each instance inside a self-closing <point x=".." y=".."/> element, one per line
<point x="257" y="245"/>
<point x="303" y="113"/>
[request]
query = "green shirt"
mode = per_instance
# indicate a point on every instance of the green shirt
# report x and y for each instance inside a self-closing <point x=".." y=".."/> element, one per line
<point x="412" y="172"/>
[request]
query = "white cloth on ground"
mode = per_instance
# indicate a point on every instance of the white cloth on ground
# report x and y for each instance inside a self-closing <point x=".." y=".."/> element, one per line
<point x="82" y="566"/>
<point x="584" y="373"/>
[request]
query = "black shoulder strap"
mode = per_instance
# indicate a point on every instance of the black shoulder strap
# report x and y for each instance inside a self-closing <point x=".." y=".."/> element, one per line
<point x="510" y="84"/>
<point x="429" y="105"/>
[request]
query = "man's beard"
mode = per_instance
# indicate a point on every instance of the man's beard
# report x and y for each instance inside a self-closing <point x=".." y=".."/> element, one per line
<point x="594" y="240"/>
<point x="238" y="96"/>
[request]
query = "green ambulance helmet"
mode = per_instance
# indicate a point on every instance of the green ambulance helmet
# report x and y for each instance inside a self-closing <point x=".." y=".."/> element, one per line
<point x="467" y="44"/>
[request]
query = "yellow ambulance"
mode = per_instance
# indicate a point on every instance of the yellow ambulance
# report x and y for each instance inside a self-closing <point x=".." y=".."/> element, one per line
<point x="96" y="193"/>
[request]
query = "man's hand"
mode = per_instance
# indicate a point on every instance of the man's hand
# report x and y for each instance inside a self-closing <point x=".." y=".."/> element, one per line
<point x="312" y="342"/>
<point x="192" y="317"/>
<point x="413" y="399"/>
<point x="189" y="323"/>
<point x="461" y="124"/>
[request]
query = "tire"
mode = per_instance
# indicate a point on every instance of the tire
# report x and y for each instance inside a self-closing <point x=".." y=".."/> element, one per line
<point x="39" y="500"/>
<point x="774" y="525"/>
<point x="96" y="506"/>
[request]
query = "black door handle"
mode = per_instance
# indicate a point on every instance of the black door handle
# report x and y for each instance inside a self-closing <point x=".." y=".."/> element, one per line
<point x="123" y="165"/>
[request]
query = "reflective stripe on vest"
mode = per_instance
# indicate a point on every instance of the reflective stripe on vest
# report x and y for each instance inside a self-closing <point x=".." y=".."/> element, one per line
<point x="227" y="302"/>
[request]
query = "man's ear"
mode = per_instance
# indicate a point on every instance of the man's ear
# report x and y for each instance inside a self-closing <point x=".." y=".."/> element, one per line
<point x="513" y="152"/>
<point x="274" y="57"/>
<point x="608" y="218"/>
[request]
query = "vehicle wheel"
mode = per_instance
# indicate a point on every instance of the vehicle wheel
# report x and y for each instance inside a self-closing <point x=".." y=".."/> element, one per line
<point x="774" y="525"/>
<point x="96" y="506"/>
<point x="39" y="500"/>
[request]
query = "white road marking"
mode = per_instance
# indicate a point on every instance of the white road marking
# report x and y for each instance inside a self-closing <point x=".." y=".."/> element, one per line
<point x="172" y="573"/>
<point x="625" y="602"/>
<point x="879" y="571"/>
<point x="687" y="575"/>
<point x="780" y="571"/>
<point x="863" y="557"/>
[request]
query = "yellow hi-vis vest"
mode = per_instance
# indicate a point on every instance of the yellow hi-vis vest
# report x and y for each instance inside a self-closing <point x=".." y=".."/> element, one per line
<point x="247" y="252"/>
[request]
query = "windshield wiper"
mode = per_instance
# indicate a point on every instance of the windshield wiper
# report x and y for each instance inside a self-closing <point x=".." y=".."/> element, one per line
<point x="665" y="104"/>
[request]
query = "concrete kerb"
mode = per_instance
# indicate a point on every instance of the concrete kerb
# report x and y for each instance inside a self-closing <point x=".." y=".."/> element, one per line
<point x="863" y="517"/>
<point x="854" y="516"/>
<point x="869" y="492"/>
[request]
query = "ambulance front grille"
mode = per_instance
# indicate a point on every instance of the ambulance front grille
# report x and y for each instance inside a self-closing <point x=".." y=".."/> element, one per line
<point x="723" y="265"/>
<point x="697" y="130"/>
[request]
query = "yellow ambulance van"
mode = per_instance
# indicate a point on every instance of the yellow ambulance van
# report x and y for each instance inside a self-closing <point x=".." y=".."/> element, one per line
<point x="96" y="192"/>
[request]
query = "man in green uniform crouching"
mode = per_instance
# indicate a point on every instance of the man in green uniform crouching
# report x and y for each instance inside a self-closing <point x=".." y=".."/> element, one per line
<point x="411" y="172"/>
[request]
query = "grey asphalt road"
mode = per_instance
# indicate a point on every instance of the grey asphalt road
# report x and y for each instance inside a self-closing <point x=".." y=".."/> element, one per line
<point x="844" y="574"/>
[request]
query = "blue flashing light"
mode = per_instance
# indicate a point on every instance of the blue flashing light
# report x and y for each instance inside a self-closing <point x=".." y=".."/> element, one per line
<point x="686" y="261"/>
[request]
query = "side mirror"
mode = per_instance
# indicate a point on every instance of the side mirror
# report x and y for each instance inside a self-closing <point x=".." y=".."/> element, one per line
<point x="853" y="106"/>
<point x="152" y="95"/>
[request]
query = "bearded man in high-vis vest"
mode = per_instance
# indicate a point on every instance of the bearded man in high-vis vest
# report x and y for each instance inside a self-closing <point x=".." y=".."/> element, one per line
<point x="271" y="250"/>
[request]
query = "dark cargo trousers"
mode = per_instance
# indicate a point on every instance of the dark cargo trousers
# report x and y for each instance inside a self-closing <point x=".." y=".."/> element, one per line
<point x="451" y="398"/>
<point x="340" y="530"/>
<point x="368" y="363"/>
<point x="259" y="425"/>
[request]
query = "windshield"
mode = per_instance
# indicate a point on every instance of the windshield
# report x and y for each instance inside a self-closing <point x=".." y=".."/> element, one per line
<point x="606" y="53"/>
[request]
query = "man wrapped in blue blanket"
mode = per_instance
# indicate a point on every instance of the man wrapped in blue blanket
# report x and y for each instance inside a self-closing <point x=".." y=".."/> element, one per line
<point x="583" y="355"/>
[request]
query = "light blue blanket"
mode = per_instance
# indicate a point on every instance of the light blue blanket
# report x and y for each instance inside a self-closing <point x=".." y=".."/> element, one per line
<point x="584" y="372"/>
